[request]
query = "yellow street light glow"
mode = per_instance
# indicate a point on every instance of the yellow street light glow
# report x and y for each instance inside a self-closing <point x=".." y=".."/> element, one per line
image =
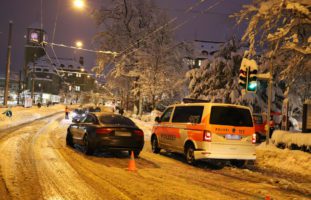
<point x="79" y="4"/>
<point x="82" y="69"/>
<point x="79" y="44"/>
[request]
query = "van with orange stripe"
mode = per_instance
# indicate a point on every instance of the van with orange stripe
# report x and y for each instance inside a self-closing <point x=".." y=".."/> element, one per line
<point x="206" y="131"/>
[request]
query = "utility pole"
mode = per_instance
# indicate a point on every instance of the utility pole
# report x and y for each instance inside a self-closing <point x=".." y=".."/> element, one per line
<point x="8" y="65"/>
<point x="19" y="87"/>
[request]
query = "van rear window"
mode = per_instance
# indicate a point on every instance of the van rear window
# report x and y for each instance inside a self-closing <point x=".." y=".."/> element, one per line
<point x="231" y="116"/>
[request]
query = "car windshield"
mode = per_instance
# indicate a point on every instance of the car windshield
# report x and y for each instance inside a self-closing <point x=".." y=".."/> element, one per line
<point x="258" y="119"/>
<point x="231" y="116"/>
<point x="79" y="111"/>
<point x="116" y="120"/>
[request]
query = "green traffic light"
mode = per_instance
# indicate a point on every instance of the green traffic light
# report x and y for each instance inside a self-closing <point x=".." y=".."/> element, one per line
<point x="252" y="86"/>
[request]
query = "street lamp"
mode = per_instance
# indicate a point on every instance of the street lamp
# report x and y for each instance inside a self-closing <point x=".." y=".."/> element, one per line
<point x="79" y="4"/>
<point x="79" y="44"/>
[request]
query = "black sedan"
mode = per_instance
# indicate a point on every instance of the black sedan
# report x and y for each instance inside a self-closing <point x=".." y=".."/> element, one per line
<point x="105" y="131"/>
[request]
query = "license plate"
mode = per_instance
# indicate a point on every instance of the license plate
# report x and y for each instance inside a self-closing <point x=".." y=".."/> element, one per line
<point x="233" y="137"/>
<point x="123" y="134"/>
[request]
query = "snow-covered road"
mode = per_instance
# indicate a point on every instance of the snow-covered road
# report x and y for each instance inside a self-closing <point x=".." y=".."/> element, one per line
<point x="35" y="163"/>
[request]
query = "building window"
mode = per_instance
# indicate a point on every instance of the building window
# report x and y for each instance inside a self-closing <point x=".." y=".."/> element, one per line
<point x="45" y="70"/>
<point x="38" y="70"/>
<point x="199" y="63"/>
<point x="78" y="75"/>
<point x="69" y="74"/>
<point x="77" y="88"/>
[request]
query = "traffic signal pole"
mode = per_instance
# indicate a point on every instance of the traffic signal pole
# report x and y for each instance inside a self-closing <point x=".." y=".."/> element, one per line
<point x="8" y="65"/>
<point x="269" y="103"/>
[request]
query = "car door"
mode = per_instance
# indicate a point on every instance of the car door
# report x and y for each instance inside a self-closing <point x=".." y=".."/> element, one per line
<point x="163" y="126"/>
<point x="83" y="126"/>
<point x="186" y="124"/>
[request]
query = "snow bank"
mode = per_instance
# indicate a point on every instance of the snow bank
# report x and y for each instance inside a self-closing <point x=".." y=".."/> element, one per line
<point x="23" y="115"/>
<point x="269" y="156"/>
<point x="289" y="138"/>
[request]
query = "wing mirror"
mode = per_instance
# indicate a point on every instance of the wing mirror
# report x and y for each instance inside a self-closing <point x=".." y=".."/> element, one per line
<point x="157" y="119"/>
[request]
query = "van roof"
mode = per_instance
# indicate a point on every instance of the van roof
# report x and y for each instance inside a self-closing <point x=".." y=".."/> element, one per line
<point x="209" y="104"/>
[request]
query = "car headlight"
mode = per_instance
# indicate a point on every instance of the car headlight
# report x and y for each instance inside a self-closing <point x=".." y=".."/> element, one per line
<point x="74" y="114"/>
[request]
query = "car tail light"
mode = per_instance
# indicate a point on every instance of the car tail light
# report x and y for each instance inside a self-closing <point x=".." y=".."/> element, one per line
<point x="254" y="138"/>
<point x="139" y="132"/>
<point x="207" y="136"/>
<point x="103" y="130"/>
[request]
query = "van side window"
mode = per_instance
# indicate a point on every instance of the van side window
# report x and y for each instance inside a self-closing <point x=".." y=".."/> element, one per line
<point x="166" y="115"/>
<point x="186" y="114"/>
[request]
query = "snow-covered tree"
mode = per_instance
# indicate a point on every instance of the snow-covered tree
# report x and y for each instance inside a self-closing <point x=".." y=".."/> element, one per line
<point x="149" y="59"/>
<point x="280" y="30"/>
<point x="217" y="78"/>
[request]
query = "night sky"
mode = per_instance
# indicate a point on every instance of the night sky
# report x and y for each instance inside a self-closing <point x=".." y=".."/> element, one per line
<point x="75" y="25"/>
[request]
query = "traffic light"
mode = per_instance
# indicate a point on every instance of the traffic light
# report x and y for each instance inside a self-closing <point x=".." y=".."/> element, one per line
<point x="248" y="75"/>
<point x="252" y="76"/>
<point x="243" y="74"/>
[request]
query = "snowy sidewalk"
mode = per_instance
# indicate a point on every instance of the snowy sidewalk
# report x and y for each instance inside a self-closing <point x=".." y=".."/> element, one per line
<point x="23" y="115"/>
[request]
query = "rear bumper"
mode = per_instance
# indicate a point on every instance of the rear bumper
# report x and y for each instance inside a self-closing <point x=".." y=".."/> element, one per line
<point x="227" y="151"/>
<point x="201" y="155"/>
<point x="120" y="144"/>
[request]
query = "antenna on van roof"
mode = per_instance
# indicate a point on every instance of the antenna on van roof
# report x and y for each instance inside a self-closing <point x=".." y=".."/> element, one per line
<point x="189" y="100"/>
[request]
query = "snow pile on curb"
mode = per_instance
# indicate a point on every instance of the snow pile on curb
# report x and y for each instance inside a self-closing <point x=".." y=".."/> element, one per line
<point x="23" y="115"/>
<point x="269" y="156"/>
<point x="289" y="138"/>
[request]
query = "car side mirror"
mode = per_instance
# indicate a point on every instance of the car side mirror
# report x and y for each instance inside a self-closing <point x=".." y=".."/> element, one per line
<point x="77" y="121"/>
<point x="157" y="119"/>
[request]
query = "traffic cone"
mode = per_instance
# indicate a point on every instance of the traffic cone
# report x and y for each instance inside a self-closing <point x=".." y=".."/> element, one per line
<point x="132" y="165"/>
<point x="268" y="197"/>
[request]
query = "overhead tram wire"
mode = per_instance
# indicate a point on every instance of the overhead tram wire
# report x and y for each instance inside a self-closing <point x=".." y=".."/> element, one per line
<point x="182" y="24"/>
<point x="190" y="8"/>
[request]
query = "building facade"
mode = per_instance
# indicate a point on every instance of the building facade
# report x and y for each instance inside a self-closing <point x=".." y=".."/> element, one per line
<point x="66" y="78"/>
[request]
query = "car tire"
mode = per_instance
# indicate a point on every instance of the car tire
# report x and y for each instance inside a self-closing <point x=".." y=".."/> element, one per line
<point x="155" y="145"/>
<point x="238" y="163"/>
<point x="69" y="140"/>
<point x="258" y="138"/>
<point x="189" y="154"/>
<point x="88" y="149"/>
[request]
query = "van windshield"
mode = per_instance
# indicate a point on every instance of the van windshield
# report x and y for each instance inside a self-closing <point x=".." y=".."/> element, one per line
<point x="231" y="116"/>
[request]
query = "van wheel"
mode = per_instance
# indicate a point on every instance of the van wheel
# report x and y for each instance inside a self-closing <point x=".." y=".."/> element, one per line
<point x="238" y="163"/>
<point x="189" y="153"/>
<point x="155" y="145"/>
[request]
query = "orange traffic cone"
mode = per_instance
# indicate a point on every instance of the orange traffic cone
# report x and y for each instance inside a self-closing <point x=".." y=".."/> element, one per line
<point x="132" y="165"/>
<point x="267" y="197"/>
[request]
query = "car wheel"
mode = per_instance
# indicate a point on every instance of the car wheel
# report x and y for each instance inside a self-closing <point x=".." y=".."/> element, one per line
<point x="238" y="163"/>
<point x="88" y="148"/>
<point x="258" y="138"/>
<point x="189" y="153"/>
<point x="155" y="145"/>
<point x="136" y="153"/>
<point x="69" y="140"/>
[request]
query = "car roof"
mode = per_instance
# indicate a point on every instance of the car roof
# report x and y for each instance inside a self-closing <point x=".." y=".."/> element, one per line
<point x="209" y="104"/>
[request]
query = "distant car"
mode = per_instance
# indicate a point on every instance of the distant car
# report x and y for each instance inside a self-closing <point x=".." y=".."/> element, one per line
<point x="106" y="131"/>
<point x="78" y="113"/>
<point x="259" y="127"/>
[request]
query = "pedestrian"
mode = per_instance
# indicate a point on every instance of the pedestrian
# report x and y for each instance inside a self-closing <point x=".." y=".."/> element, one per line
<point x="39" y="105"/>
<point x="66" y="113"/>
<point x="121" y="111"/>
